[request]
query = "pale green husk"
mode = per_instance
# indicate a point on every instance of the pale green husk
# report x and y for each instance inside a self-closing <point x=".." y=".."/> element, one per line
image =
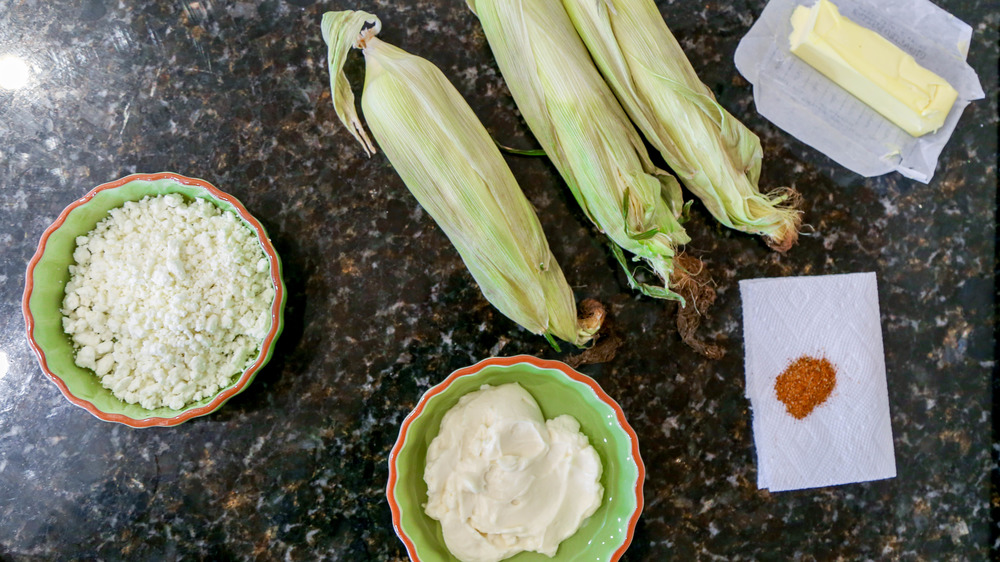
<point x="713" y="154"/>
<point x="451" y="165"/>
<point x="583" y="129"/>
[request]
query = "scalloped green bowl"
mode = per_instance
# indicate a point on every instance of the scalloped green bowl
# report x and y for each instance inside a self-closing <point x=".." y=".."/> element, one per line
<point x="558" y="389"/>
<point x="48" y="273"/>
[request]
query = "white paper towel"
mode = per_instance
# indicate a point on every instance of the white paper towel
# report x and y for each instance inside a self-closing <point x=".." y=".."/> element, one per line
<point x="809" y="106"/>
<point x="846" y="439"/>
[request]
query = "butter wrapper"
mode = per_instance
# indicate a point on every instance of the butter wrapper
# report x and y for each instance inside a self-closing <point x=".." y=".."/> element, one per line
<point x="812" y="108"/>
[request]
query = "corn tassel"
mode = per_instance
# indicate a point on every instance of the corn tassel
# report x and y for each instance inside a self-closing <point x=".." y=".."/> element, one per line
<point x="586" y="133"/>
<point x="451" y="165"/>
<point x="713" y="154"/>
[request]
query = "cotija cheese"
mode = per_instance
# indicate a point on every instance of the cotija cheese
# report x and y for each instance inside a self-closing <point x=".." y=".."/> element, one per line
<point x="168" y="300"/>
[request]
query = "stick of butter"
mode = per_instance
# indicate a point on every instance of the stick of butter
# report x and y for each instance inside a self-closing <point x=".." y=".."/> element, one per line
<point x="871" y="68"/>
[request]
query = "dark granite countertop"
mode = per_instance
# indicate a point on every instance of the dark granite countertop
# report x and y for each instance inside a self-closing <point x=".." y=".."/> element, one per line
<point x="381" y="307"/>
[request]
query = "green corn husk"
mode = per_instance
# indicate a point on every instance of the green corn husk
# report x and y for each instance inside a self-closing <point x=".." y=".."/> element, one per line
<point x="712" y="153"/>
<point x="450" y="164"/>
<point x="586" y="133"/>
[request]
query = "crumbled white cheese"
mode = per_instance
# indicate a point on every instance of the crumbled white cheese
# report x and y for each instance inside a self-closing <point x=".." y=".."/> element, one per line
<point x="168" y="301"/>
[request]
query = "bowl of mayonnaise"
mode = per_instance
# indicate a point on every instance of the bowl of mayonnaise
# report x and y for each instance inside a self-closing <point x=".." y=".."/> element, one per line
<point x="515" y="458"/>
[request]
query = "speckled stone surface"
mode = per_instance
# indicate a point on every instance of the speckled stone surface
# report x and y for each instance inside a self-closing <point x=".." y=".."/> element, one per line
<point x="381" y="307"/>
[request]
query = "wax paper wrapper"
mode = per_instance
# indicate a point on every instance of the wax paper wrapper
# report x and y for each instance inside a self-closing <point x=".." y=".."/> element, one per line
<point x="848" y="437"/>
<point x="812" y="108"/>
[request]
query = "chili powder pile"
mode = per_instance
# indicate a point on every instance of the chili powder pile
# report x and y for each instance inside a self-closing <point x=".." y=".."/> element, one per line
<point x="805" y="384"/>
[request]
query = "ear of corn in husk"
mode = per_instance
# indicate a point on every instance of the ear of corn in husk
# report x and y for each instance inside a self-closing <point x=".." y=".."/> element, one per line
<point x="450" y="164"/>
<point x="713" y="154"/>
<point x="583" y="129"/>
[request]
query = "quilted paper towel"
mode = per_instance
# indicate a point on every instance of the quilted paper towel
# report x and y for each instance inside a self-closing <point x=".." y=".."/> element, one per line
<point x="847" y="438"/>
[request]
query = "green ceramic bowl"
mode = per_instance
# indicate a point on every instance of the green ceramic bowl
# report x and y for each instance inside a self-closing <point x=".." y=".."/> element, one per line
<point x="48" y="273"/>
<point x="558" y="390"/>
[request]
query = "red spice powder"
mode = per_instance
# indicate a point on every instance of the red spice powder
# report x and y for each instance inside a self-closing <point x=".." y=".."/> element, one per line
<point x="805" y="384"/>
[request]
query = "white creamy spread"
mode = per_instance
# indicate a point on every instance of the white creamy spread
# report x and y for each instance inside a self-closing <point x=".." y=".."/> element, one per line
<point x="502" y="480"/>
